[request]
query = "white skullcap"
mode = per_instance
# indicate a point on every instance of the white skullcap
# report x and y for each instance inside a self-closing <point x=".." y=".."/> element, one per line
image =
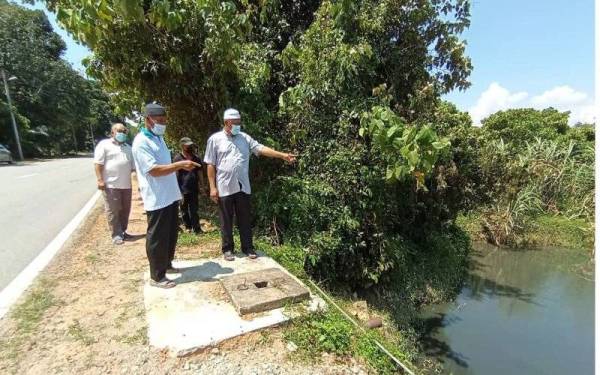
<point x="231" y="114"/>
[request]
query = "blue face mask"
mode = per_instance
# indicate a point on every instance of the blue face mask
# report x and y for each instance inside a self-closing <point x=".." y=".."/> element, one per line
<point x="159" y="129"/>
<point x="121" y="137"/>
<point x="236" y="129"/>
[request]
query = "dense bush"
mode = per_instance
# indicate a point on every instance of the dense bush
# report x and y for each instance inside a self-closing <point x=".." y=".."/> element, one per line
<point x="372" y="182"/>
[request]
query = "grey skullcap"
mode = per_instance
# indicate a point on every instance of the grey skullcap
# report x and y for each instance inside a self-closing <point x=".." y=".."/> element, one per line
<point x="154" y="109"/>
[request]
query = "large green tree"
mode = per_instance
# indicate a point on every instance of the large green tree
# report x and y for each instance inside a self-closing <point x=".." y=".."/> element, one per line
<point x="195" y="57"/>
<point x="55" y="105"/>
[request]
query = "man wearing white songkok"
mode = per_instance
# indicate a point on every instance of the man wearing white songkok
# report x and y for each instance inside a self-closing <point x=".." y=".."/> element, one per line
<point x="227" y="157"/>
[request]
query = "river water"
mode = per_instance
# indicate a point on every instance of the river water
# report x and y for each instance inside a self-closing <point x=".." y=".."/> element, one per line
<point x="520" y="312"/>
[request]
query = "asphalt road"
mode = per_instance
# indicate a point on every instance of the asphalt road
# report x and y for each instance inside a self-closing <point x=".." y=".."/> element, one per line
<point x="37" y="200"/>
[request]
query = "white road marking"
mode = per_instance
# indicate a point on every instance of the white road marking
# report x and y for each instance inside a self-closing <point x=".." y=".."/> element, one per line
<point x="28" y="175"/>
<point x="12" y="292"/>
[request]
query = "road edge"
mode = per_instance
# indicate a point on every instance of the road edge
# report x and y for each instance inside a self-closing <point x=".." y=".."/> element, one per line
<point x="11" y="293"/>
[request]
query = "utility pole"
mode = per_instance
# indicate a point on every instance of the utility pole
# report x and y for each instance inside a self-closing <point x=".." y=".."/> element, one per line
<point x="12" y="115"/>
<point x="92" y="136"/>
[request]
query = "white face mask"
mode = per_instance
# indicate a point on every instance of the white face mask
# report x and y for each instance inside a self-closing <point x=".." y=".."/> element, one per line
<point x="159" y="129"/>
<point x="236" y="129"/>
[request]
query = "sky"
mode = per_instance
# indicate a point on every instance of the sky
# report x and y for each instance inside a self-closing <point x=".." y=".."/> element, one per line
<point x="525" y="53"/>
<point x="530" y="53"/>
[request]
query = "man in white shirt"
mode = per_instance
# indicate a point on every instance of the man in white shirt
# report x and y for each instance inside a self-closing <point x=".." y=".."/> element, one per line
<point x="227" y="157"/>
<point x="156" y="175"/>
<point x="113" y="162"/>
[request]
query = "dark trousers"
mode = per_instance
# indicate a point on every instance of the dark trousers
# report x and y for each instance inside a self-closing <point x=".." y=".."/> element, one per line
<point x="117" y="203"/>
<point x="237" y="204"/>
<point x="161" y="239"/>
<point x="189" y="211"/>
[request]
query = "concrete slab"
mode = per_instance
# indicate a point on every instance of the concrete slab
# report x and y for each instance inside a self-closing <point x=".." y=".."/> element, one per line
<point x="264" y="290"/>
<point x="197" y="313"/>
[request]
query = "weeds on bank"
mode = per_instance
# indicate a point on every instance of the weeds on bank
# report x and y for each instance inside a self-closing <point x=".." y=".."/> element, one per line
<point x="329" y="331"/>
<point x="542" y="230"/>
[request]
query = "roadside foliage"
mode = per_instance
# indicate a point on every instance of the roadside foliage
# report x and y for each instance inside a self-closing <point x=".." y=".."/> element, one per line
<point x="55" y="107"/>
<point x="342" y="83"/>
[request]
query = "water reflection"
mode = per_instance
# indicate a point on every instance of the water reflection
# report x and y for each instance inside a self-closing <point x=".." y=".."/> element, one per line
<point x="520" y="312"/>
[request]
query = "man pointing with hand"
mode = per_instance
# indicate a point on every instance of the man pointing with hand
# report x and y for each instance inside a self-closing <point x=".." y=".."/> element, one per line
<point x="228" y="157"/>
<point x="160" y="193"/>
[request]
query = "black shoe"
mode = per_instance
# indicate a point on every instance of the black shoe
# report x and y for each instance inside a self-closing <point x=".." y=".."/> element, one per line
<point x="132" y="237"/>
<point x="252" y="254"/>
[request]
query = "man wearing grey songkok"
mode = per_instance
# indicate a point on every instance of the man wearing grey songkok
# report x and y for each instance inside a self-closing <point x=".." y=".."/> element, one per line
<point x="160" y="193"/>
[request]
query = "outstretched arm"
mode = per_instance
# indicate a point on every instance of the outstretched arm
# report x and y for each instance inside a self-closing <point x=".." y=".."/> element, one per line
<point x="163" y="170"/>
<point x="270" y="153"/>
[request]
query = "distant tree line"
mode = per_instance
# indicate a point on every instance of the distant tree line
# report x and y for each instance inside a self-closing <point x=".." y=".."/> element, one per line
<point x="57" y="110"/>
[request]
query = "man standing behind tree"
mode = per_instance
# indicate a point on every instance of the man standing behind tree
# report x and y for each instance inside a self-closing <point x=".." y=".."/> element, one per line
<point x="228" y="157"/>
<point x="160" y="193"/>
<point x="189" y="184"/>
<point x="113" y="162"/>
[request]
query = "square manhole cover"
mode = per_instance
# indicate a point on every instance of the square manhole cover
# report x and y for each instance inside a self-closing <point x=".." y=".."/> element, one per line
<point x="264" y="290"/>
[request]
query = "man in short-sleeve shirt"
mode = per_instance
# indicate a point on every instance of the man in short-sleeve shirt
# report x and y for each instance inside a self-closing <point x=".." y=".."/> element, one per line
<point x="228" y="157"/>
<point x="113" y="163"/>
<point x="160" y="193"/>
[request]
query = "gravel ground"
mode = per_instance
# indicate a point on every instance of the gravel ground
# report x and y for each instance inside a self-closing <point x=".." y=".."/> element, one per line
<point x="85" y="315"/>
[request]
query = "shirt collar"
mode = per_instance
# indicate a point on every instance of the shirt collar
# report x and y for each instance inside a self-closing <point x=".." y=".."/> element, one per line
<point x="148" y="133"/>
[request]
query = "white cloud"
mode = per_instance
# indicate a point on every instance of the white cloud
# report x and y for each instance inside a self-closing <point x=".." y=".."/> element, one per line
<point x="563" y="98"/>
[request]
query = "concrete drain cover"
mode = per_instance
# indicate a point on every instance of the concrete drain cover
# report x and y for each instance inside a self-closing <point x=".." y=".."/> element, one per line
<point x="264" y="290"/>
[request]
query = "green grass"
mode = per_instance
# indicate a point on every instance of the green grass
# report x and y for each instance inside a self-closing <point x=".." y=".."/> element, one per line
<point x="562" y="232"/>
<point x="540" y="231"/>
<point x="29" y="313"/>
<point x="186" y="239"/>
<point x="289" y="256"/>
<point x="139" y="337"/>
<point x="27" y="316"/>
<point x="80" y="334"/>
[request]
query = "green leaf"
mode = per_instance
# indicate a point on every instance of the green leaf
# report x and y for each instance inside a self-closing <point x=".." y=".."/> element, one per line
<point x="438" y="145"/>
<point x="130" y="9"/>
<point x="413" y="157"/>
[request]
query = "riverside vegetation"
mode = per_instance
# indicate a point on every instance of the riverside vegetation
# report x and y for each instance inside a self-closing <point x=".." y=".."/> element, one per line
<point x="390" y="180"/>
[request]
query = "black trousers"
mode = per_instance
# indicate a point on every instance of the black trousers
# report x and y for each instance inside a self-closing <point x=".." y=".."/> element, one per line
<point x="189" y="211"/>
<point x="161" y="239"/>
<point x="237" y="204"/>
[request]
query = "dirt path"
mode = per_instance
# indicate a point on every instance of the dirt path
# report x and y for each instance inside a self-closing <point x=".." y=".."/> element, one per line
<point x="85" y="315"/>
